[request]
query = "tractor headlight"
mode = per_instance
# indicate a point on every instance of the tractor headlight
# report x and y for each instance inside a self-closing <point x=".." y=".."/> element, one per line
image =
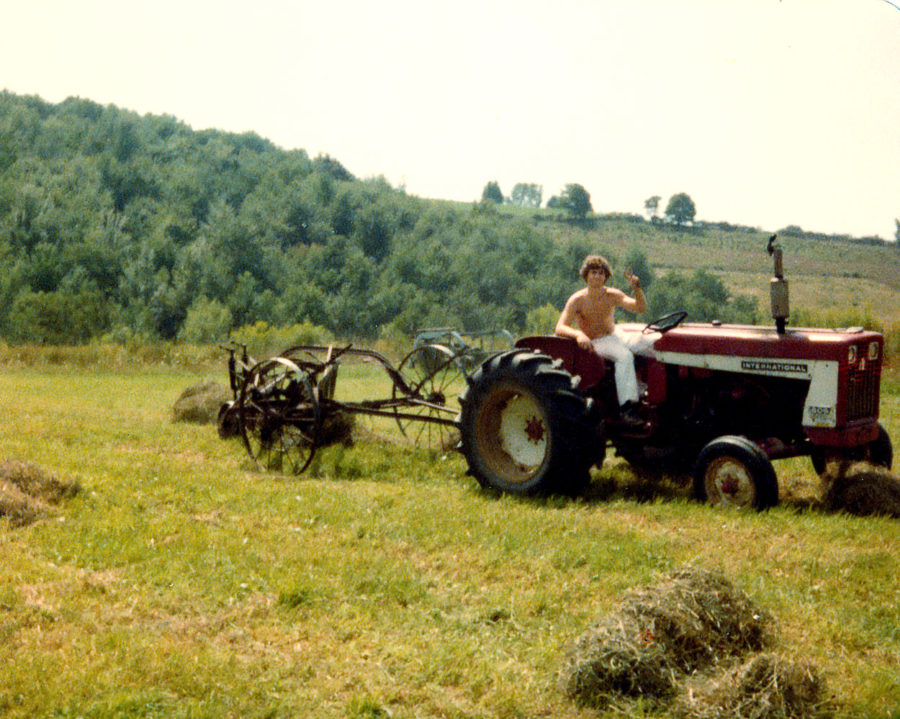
<point x="874" y="351"/>
<point x="852" y="354"/>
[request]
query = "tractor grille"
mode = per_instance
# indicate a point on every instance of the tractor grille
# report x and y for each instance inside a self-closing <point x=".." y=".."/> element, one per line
<point x="862" y="395"/>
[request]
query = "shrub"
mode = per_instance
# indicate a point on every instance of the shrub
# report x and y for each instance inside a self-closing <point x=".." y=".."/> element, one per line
<point x="263" y="339"/>
<point x="541" y="320"/>
<point x="58" y="317"/>
<point x="207" y="321"/>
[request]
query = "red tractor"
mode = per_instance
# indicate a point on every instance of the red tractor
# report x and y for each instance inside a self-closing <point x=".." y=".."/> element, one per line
<point x="720" y="401"/>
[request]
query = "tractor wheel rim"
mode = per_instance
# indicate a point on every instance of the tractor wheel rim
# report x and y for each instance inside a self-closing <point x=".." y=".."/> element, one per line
<point x="730" y="483"/>
<point x="523" y="432"/>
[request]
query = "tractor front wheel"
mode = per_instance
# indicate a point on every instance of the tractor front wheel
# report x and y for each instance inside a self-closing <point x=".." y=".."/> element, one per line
<point x="732" y="471"/>
<point x="524" y="426"/>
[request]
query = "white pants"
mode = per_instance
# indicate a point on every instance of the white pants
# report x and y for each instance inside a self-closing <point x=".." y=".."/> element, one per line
<point x="620" y="347"/>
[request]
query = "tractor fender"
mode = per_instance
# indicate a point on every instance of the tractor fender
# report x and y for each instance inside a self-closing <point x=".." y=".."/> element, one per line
<point x="586" y="364"/>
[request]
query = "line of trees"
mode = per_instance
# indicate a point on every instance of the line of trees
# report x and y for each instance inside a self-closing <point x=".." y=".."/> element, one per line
<point x="575" y="200"/>
<point x="124" y="226"/>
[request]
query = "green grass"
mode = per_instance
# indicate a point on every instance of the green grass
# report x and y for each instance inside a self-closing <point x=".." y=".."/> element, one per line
<point x="181" y="583"/>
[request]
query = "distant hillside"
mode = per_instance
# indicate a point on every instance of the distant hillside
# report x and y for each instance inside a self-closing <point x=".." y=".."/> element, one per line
<point x="825" y="274"/>
<point x="118" y="225"/>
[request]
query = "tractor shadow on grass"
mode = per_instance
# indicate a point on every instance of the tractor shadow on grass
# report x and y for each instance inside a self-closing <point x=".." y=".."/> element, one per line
<point x="619" y="480"/>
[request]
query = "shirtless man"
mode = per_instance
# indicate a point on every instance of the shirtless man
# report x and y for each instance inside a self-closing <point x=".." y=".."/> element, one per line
<point x="588" y="319"/>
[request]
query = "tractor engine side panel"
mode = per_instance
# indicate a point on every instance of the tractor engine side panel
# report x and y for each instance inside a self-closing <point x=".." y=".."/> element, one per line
<point x="707" y="402"/>
<point x="820" y="408"/>
<point x="826" y="417"/>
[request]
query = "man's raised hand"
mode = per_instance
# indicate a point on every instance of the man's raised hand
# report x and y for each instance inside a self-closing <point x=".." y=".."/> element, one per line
<point x="632" y="279"/>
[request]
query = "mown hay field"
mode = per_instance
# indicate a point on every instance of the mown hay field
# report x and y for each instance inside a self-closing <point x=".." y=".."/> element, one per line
<point x="179" y="582"/>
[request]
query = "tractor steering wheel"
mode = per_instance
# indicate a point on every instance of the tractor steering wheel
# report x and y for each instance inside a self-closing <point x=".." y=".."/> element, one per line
<point x="666" y="322"/>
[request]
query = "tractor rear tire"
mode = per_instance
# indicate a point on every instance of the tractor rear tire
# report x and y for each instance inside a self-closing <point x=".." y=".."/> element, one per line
<point x="732" y="471"/>
<point x="525" y="427"/>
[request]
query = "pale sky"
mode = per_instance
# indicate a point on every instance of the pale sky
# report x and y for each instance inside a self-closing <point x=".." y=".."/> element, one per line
<point x="766" y="112"/>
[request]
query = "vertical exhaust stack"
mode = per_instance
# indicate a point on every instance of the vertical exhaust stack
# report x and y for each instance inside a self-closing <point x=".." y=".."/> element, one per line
<point x="778" y="288"/>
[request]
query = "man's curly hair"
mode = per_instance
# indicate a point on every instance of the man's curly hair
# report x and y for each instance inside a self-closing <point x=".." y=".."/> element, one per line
<point x="595" y="262"/>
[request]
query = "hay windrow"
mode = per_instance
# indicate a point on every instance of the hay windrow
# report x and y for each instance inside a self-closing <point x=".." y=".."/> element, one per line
<point x="27" y="493"/>
<point x="767" y="686"/>
<point x="18" y="507"/>
<point x="861" y="489"/>
<point x="689" y="620"/>
<point x="200" y="403"/>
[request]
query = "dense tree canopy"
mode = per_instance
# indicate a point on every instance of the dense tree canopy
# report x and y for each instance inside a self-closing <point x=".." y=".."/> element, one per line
<point x="137" y="226"/>
<point x="702" y="295"/>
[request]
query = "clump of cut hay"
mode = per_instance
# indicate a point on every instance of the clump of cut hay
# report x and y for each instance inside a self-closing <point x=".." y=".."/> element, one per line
<point x="228" y="421"/>
<point x="698" y="617"/>
<point x="337" y="427"/>
<point x="612" y="659"/>
<point x="861" y="489"/>
<point x="689" y="620"/>
<point x="765" y="687"/>
<point x="18" y="507"/>
<point x="27" y="492"/>
<point x="32" y="480"/>
<point x="200" y="403"/>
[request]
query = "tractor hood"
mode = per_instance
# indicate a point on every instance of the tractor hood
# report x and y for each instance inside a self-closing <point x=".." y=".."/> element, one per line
<point x="766" y="343"/>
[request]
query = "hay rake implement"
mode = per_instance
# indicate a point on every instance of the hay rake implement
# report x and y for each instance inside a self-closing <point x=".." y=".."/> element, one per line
<point x="284" y="407"/>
